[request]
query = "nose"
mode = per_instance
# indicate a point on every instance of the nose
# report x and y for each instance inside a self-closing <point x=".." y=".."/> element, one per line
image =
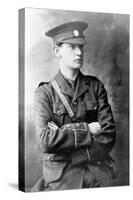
<point x="78" y="50"/>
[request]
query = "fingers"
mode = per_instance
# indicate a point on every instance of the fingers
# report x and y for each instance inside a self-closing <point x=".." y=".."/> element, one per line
<point x="94" y="127"/>
<point x="98" y="125"/>
<point x="52" y="125"/>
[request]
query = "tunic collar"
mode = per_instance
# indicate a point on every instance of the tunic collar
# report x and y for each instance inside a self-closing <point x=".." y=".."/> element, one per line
<point x="81" y="85"/>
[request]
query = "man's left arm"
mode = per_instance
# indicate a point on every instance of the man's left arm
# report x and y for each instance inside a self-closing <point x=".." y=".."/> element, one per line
<point x="103" y="142"/>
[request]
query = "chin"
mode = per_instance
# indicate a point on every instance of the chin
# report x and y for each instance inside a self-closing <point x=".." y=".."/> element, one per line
<point x="77" y="66"/>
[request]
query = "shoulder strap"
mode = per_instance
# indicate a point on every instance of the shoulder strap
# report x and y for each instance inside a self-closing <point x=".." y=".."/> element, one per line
<point x="62" y="97"/>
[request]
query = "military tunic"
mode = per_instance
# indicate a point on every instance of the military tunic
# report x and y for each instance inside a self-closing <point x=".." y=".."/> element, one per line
<point x="70" y="152"/>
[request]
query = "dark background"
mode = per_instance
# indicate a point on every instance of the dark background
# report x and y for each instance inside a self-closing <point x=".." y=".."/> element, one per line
<point x="106" y="56"/>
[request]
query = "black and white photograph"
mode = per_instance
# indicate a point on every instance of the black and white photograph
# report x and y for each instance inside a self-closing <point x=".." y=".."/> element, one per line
<point x="73" y="99"/>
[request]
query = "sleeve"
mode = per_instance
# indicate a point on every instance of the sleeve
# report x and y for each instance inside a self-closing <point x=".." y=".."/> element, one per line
<point x="67" y="138"/>
<point x="104" y="142"/>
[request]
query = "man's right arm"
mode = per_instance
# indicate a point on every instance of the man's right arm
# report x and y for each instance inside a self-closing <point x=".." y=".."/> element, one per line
<point x="69" y="137"/>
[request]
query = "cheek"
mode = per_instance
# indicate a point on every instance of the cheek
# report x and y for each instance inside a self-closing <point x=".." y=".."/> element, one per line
<point x="67" y="56"/>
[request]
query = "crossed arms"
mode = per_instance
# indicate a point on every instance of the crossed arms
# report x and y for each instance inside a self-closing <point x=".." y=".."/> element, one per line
<point x="97" y="137"/>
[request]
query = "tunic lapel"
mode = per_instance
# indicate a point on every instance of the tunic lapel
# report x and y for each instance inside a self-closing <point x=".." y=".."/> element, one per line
<point x="64" y="85"/>
<point x="65" y="88"/>
<point x="81" y="86"/>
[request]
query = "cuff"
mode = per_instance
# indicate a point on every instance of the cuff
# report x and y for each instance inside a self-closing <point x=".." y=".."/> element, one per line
<point x="82" y="135"/>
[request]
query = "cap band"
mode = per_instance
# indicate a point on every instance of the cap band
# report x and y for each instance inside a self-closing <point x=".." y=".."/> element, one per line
<point x="67" y="35"/>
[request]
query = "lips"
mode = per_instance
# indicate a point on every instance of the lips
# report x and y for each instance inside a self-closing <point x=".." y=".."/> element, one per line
<point x="78" y="59"/>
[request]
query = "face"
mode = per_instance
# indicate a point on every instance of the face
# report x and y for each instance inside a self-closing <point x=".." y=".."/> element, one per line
<point x="71" y="55"/>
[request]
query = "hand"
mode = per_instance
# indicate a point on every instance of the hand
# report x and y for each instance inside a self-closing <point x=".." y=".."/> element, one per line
<point x="52" y="125"/>
<point x="94" y="128"/>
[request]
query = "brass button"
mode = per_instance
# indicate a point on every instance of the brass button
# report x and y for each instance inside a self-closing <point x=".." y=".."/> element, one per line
<point x="58" y="112"/>
<point x="98" y="162"/>
<point x="95" y="107"/>
<point x="75" y="103"/>
<point x="68" y="126"/>
<point x="48" y="157"/>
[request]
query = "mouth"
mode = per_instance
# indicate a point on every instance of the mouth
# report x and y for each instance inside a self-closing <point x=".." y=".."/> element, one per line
<point x="78" y="60"/>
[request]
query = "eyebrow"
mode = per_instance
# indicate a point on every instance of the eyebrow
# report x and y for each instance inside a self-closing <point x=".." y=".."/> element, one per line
<point x="74" y="45"/>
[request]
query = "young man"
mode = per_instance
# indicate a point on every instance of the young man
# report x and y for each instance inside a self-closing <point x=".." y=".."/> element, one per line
<point x="74" y="122"/>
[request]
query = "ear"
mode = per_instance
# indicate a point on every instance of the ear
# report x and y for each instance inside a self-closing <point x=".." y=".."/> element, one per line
<point x="57" y="51"/>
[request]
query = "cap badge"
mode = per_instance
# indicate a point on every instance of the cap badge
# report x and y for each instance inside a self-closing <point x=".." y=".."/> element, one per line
<point x="76" y="33"/>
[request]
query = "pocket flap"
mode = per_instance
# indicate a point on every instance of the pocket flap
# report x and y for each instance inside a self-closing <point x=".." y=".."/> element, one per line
<point x="59" y="109"/>
<point x="90" y="105"/>
<point x="52" y="171"/>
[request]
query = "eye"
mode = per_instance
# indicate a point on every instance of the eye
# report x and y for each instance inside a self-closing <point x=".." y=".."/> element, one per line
<point x="81" y="47"/>
<point x="74" y="46"/>
<point x="71" y="46"/>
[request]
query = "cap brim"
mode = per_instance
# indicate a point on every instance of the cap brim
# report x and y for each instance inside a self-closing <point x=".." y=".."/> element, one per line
<point x="80" y="41"/>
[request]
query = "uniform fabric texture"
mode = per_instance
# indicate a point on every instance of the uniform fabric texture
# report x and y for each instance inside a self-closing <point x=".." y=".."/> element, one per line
<point x="72" y="158"/>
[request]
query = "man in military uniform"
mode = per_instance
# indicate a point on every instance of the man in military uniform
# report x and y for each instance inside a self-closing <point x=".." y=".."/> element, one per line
<point x="74" y="122"/>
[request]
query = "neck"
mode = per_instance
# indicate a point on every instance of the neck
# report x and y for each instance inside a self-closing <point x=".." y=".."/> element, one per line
<point x="69" y="73"/>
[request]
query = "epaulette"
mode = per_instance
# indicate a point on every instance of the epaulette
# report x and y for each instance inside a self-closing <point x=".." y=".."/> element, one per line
<point x="42" y="83"/>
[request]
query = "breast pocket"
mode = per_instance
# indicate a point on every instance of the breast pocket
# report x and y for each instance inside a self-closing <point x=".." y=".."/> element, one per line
<point x="60" y="113"/>
<point x="91" y="111"/>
